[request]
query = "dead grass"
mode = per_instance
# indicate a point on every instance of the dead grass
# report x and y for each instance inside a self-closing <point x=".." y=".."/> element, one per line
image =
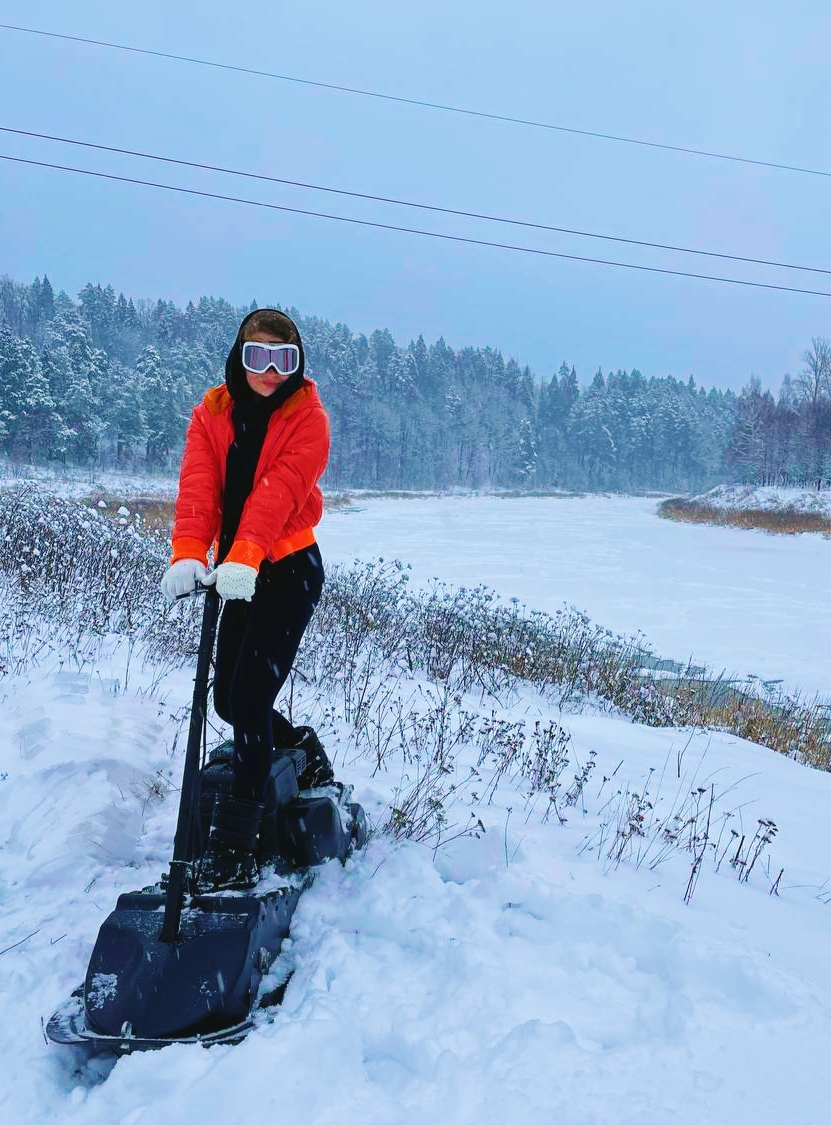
<point x="155" y="513"/>
<point x="333" y="502"/>
<point x="782" y="521"/>
<point x="800" y="732"/>
<point x="796" y="727"/>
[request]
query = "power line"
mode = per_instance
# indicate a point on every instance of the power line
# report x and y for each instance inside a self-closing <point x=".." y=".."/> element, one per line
<point x="461" y="110"/>
<point x="413" y="230"/>
<point x="418" y="206"/>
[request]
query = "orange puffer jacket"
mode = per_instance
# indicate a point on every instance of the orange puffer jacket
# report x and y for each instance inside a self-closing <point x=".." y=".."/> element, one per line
<point x="285" y="502"/>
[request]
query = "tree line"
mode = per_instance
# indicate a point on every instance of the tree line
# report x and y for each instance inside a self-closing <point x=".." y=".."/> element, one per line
<point x="103" y="379"/>
<point x="786" y="440"/>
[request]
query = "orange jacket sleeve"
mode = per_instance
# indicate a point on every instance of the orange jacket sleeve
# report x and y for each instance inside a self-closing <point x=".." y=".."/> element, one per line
<point x="198" y="510"/>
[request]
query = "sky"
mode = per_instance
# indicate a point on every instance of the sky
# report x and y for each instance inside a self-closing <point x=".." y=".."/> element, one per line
<point x="749" y="78"/>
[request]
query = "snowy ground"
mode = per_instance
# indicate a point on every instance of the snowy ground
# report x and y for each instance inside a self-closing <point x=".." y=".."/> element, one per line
<point x="524" y="976"/>
<point x="70" y="481"/>
<point x="515" y="977"/>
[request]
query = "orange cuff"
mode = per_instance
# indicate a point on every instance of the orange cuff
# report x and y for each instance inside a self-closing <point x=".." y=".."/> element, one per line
<point x="244" y="551"/>
<point x="187" y="548"/>
<point x="291" y="543"/>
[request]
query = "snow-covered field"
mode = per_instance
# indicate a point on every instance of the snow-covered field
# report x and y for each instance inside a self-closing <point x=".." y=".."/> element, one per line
<point x="541" y="973"/>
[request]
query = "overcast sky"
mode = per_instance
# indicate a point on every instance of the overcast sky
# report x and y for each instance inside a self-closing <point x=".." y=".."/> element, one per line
<point x="748" y="77"/>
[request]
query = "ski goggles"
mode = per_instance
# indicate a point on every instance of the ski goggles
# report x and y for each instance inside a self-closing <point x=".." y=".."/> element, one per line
<point x="257" y="357"/>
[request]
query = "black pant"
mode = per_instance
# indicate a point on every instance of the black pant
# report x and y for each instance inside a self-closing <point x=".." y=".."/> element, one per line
<point x="255" y="650"/>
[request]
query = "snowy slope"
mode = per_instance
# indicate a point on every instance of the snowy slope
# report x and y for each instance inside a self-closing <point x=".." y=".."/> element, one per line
<point x="523" y="976"/>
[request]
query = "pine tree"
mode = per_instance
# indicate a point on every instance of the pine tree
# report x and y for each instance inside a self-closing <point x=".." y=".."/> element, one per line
<point x="123" y="412"/>
<point x="27" y="413"/>
<point x="76" y="373"/>
<point x="164" y="422"/>
<point x="749" y="448"/>
<point x="526" y="453"/>
<point x="46" y="307"/>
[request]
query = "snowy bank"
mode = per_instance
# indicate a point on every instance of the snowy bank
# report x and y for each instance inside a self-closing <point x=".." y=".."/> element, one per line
<point x="765" y="498"/>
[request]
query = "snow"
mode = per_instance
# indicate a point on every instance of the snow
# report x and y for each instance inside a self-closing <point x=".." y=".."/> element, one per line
<point x="521" y="976"/>
<point x="72" y="482"/>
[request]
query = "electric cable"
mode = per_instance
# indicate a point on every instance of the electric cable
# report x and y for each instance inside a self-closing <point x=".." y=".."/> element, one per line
<point x="460" y="110"/>
<point x="413" y="230"/>
<point x="418" y="206"/>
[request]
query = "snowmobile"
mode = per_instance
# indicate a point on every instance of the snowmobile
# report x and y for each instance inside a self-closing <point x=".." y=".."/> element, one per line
<point x="172" y="965"/>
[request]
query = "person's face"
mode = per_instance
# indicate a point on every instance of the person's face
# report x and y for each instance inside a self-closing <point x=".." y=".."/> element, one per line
<point x="267" y="383"/>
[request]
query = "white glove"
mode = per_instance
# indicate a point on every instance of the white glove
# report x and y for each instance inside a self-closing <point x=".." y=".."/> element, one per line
<point x="181" y="578"/>
<point x="233" y="580"/>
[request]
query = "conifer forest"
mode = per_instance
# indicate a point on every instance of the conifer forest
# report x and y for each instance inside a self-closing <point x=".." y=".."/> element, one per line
<point x="103" y="380"/>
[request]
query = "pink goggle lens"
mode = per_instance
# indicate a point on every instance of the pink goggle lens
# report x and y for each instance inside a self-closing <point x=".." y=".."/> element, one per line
<point x="257" y="358"/>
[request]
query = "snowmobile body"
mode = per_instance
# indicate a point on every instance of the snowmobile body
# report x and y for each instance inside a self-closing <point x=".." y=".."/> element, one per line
<point x="141" y="992"/>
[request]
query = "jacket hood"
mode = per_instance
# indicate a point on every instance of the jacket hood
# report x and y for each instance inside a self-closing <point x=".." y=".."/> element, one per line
<point x="235" y="379"/>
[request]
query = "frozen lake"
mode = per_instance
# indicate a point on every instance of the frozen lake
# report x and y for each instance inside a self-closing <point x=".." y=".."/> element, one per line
<point x="746" y="602"/>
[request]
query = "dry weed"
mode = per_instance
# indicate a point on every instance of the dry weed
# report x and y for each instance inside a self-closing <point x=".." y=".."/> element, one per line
<point x="781" y="521"/>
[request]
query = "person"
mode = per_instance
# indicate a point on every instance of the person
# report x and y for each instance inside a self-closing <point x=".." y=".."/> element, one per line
<point x="255" y="449"/>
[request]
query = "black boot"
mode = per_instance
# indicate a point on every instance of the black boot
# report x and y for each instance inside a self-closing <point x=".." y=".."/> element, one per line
<point x="318" y="770"/>
<point x="229" y="861"/>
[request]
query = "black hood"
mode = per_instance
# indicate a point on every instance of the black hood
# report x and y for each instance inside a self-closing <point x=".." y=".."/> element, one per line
<point x="250" y="415"/>
<point x="236" y="381"/>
